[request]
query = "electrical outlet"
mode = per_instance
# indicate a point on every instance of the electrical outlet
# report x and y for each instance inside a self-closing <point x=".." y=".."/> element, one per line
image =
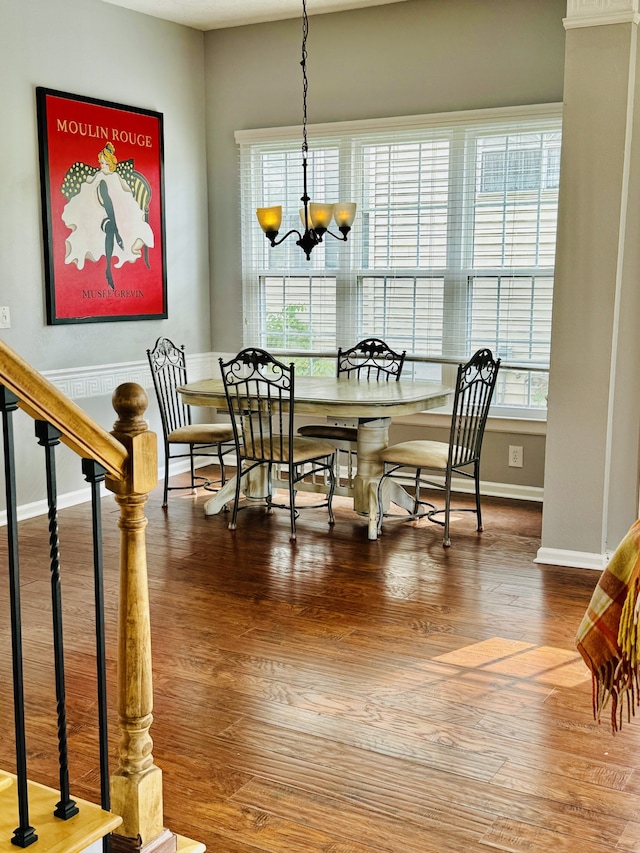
<point x="5" y="318"/>
<point x="515" y="456"/>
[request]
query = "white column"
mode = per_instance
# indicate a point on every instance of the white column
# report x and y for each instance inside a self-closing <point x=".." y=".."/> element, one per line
<point x="592" y="452"/>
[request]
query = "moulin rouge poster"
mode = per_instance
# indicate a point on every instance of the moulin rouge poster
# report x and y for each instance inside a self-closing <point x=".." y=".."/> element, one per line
<point x="101" y="170"/>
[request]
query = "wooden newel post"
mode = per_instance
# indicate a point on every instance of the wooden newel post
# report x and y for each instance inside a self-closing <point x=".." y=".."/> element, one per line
<point x="136" y="785"/>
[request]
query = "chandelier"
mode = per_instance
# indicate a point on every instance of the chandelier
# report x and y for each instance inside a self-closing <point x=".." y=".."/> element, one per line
<point x="315" y="216"/>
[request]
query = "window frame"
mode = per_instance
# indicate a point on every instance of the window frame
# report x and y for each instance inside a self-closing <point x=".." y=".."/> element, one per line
<point x="348" y="273"/>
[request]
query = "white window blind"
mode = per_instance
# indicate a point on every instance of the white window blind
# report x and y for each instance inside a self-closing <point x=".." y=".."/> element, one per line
<point x="452" y="248"/>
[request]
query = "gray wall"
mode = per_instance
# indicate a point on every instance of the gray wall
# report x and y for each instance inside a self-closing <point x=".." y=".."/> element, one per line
<point x="409" y="58"/>
<point x="91" y="48"/>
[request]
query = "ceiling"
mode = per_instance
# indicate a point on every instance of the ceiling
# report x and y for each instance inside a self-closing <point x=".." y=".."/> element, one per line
<point x="216" y="14"/>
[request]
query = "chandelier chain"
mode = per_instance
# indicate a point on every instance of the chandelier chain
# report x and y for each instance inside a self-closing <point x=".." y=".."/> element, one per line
<point x="270" y="218"/>
<point x="305" y="82"/>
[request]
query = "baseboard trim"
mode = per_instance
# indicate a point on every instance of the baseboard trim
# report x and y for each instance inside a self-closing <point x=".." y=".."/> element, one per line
<point x="69" y="499"/>
<point x="510" y="491"/>
<point x="572" y="559"/>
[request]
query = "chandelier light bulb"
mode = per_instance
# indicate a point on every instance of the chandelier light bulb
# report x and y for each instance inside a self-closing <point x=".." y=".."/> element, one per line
<point x="320" y="215"/>
<point x="270" y="218"/>
<point x="344" y="213"/>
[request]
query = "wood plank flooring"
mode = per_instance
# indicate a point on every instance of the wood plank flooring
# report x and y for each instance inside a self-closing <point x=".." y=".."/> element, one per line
<point x="337" y="695"/>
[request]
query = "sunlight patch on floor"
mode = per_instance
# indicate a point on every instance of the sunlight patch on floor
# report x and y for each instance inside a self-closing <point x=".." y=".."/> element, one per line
<point x="518" y="659"/>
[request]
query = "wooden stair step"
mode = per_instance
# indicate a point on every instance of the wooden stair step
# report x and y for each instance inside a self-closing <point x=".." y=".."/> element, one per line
<point x="186" y="845"/>
<point x="54" y="835"/>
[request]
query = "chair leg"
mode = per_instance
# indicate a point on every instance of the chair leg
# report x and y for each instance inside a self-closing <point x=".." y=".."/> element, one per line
<point x="269" y="495"/>
<point x="416" y="496"/>
<point x="192" y="469"/>
<point x="379" y="498"/>
<point x="446" y="542"/>
<point x="234" y="514"/>
<point x="165" y="496"/>
<point x="292" y="501"/>
<point x="476" y="475"/>
<point x="336" y="466"/>
<point x="332" y="486"/>
<point x="221" y="463"/>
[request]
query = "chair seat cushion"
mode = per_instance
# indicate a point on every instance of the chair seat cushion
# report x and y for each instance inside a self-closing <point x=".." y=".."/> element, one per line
<point x="304" y="449"/>
<point x="337" y="433"/>
<point x="201" y="434"/>
<point x="417" y="454"/>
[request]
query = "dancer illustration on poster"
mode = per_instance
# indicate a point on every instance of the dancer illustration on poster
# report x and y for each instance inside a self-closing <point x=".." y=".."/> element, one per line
<point x="107" y="213"/>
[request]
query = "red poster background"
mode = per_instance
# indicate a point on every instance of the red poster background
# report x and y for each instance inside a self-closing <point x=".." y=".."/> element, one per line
<point x="74" y="130"/>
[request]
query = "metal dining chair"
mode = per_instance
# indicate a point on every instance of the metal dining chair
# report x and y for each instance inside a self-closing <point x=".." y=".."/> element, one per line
<point x="371" y="360"/>
<point x="169" y="371"/>
<point x="474" y="389"/>
<point x="260" y="394"/>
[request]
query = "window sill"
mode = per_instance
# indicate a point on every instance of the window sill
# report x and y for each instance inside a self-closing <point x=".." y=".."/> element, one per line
<point x="520" y="426"/>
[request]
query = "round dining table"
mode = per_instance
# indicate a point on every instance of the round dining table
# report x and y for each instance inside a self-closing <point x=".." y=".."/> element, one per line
<point x="371" y="403"/>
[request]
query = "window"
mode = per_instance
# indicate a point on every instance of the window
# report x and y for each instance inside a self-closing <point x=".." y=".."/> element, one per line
<point x="452" y="248"/>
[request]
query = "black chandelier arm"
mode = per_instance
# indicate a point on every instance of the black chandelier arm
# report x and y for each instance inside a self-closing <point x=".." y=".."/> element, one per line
<point x="343" y="229"/>
<point x="307" y="241"/>
<point x="310" y="239"/>
<point x="271" y="236"/>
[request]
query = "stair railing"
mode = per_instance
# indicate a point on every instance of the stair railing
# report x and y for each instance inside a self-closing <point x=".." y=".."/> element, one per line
<point x="126" y="461"/>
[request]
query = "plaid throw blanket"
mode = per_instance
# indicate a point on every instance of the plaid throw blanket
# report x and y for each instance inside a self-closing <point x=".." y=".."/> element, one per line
<point x="608" y="636"/>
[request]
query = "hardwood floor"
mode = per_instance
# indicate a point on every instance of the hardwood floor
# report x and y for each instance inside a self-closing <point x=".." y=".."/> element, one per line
<point x="337" y="695"/>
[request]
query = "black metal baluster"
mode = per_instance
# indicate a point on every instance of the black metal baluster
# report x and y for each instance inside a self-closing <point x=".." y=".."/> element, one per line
<point x="95" y="474"/>
<point x="48" y="436"/>
<point x="25" y="834"/>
